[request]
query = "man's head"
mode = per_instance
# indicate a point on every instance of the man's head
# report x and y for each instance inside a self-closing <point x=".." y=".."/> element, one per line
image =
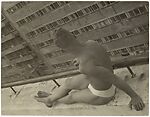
<point x="65" y="39"/>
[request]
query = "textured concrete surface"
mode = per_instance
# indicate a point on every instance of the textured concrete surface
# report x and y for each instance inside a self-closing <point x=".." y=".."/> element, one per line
<point x="23" y="103"/>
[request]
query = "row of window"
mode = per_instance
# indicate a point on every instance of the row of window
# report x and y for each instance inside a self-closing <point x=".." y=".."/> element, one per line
<point x="17" y="6"/>
<point x="12" y="43"/>
<point x="124" y="34"/>
<point x="111" y="20"/>
<point x="46" y="43"/>
<point x="129" y="50"/>
<point x="63" y="65"/>
<point x="19" y="54"/>
<point x="134" y="50"/>
<point x="109" y="38"/>
<point x="29" y="63"/>
<point x="66" y="19"/>
<point x="7" y="29"/>
<point x="41" y="12"/>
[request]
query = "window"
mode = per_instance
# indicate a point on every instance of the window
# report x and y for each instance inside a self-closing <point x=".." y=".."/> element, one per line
<point x="41" y="29"/>
<point x="31" y="34"/>
<point x="137" y="12"/>
<point x="52" y="6"/>
<point x="114" y="36"/>
<point x="66" y="19"/>
<point x="91" y="9"/>
<point x="82" y="30"/>
<point x="131" y="13"/>
<point x="129" y="33"/>
<point x="61" y="3"/>
<point x="56" y="5"/>
<point x="30" y="18"/>
<point x="44" y="10"/>
<point x="86" y="10"/>
<point x="77" y="16"/>
<point x="80" y="13"/>
<point x="20" y="5"/>
<point x="118" y="18"/>
<point x="11" y="10"/>
<point x="95" y="6"/>
<point x="123" y="16"/>
<point x="86" y="29"/>
<point x="146" y="27"/>
<point x="76" y="32"/>
<point x="102" y="23"/>
<point x="49" y="26"/>
<point x="96" y="26"/>
<point x="140" y="29"/>
<point x="110" y="38"/>
<point x="142" y="9"/>
<point x="90" y="27"/>
<point x="73" y="16"/>
<point x="60" y="22"/>
<point x="54" y="24"/>
<point x="39" y="13"/>
<point x="49" y="8"/>
<point x="116" y="52"/>
<point x="103" y="3"/>
<point x="107" y="22"/>
<point x="113" y="19"/>
<point x="21" y="22"/>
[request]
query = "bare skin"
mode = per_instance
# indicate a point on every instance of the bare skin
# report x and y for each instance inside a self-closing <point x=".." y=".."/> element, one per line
<point x="96" y="69"/>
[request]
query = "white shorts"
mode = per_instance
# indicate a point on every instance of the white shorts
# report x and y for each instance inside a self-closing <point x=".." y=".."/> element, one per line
<point x="105" y="93"/>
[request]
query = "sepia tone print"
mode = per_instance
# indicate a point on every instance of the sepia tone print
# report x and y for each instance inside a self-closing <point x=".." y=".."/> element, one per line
<point x="75" y="58"/>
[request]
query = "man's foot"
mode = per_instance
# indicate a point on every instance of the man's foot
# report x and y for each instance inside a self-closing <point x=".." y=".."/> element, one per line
<point x="42" y="94"/>
<point x="45" y="100"/>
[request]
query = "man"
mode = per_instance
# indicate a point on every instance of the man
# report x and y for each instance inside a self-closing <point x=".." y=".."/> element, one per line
<point x="97" y="82"/>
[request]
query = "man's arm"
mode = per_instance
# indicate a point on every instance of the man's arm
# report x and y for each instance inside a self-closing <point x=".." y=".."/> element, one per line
<point x="92" y="70"/>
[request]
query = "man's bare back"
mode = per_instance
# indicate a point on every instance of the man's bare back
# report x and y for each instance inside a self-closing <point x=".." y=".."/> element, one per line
<point x="96" y="53"/>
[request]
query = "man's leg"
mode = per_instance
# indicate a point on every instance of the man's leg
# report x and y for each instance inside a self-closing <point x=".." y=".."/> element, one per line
<point x="78" y="82"/>
<point x="84" y="96"/>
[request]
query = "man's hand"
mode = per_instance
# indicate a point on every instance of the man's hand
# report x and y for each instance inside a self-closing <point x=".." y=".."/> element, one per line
<point x="75" y="62"/>
<point x="137" y="103"/>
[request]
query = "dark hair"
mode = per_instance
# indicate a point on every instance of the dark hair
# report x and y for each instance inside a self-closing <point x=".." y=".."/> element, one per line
<point x="64" y="38"/>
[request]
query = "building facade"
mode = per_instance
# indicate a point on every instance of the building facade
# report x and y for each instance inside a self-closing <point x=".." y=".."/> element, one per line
<point x="121" y="27"/>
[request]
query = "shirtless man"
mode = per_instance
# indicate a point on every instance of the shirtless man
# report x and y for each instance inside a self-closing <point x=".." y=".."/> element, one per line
<point x="97" y="82"/>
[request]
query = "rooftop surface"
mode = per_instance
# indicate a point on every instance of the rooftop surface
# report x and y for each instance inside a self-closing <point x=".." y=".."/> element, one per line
<point x="23" y="102"/>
